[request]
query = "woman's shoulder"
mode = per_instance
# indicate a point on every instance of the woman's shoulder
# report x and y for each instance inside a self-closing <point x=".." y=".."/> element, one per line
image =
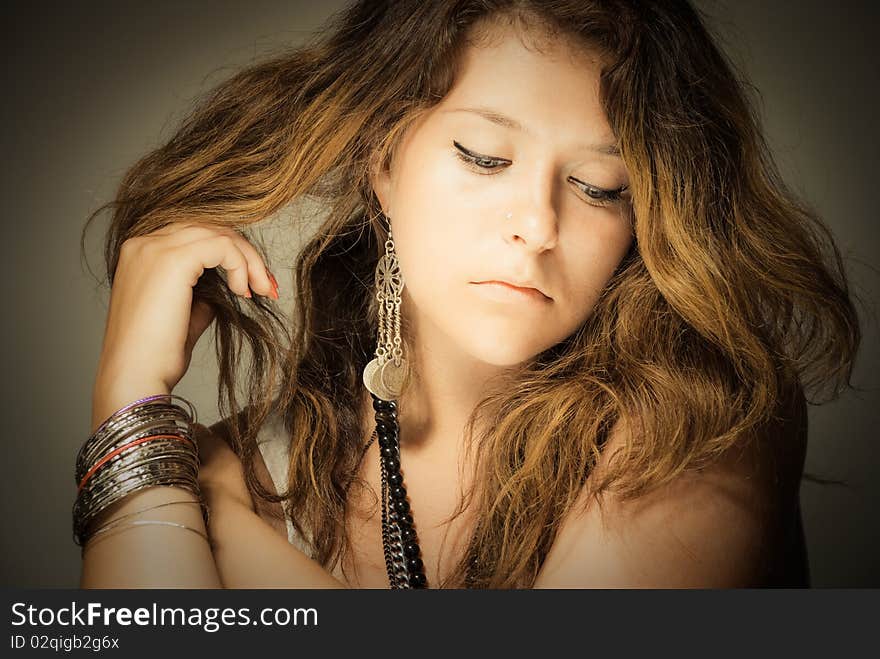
<point x="221" y="468"/>
<point x="721" y="525"/>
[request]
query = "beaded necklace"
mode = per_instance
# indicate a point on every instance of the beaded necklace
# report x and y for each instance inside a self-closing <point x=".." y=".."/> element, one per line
<point x="400" y="544"/>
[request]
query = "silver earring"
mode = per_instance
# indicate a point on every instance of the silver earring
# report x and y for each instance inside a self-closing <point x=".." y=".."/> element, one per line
<point x="385" y="374"/>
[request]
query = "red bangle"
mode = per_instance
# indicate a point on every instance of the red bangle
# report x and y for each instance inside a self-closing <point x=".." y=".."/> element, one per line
<point x="119" y="450"/>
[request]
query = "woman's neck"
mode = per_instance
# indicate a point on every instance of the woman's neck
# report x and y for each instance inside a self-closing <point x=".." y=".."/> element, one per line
<point x="445" y="388"/>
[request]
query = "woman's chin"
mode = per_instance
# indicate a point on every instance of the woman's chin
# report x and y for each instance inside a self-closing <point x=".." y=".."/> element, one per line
<point x="503" y="354"/>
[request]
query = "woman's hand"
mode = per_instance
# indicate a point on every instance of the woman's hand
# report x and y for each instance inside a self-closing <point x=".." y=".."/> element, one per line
<point x="153" y="323"/>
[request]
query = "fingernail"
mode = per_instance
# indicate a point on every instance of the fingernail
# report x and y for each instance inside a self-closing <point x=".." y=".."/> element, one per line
<point x="274" y="284"/>
<point x="248" y="293"/>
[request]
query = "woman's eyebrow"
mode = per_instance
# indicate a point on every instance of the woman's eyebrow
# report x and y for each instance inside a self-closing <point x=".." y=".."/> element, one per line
<point x="608" y="149"/>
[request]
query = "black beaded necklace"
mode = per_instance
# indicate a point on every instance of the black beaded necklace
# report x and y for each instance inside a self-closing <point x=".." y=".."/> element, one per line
<point x="400" y="544"/>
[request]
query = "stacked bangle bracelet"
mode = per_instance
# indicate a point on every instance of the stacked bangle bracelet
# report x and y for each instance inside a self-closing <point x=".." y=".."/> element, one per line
<point x="146" y="443"/>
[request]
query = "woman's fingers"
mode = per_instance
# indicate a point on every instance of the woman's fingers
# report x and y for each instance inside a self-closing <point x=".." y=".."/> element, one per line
<point x="255" y="276"/>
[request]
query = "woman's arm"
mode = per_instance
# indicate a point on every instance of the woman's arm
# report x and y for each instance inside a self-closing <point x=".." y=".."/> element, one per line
<point x="248" y="552"/>
<point x="150" y="556"/>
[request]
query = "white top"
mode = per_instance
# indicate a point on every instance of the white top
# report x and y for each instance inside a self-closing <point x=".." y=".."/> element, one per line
<point x="273" y="441"/>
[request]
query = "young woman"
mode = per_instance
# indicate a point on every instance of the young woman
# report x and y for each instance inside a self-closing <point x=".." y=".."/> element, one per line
<point x="555" y="329"/>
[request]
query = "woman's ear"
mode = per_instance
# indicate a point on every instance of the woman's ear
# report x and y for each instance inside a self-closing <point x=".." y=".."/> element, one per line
<point x="380" y="180"/>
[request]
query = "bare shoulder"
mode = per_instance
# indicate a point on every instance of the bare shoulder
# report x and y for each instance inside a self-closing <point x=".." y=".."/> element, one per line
<point x="222" y="472"/>
<point x="717" y="527"/>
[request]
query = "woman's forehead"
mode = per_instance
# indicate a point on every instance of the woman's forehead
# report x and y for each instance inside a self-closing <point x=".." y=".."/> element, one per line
<point x="530" y="91"/>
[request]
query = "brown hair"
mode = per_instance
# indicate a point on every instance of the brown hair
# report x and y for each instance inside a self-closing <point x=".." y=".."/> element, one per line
<point x="732" y="297"/>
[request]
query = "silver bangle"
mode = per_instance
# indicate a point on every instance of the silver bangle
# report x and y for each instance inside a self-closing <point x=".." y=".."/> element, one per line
<point x="154" y="522"/>
<point x="118" y="520"/>
<point x="172" y="461"/>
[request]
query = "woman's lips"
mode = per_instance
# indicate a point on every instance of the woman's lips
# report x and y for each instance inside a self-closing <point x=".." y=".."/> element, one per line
<point x="501" y="290"/>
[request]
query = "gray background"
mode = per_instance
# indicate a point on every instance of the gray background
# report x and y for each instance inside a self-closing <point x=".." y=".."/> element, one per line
<point x="92" y="87"/>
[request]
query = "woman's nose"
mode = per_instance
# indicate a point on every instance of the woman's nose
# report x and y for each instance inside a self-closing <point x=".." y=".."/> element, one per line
<point x="533" y="222"/>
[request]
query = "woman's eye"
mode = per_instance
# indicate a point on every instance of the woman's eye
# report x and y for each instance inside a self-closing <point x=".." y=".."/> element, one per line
<point x="599" y="196"/>
<point x="487" y="164"/>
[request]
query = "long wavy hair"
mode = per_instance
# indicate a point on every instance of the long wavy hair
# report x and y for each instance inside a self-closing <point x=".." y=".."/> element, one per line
<point x="733" y="295"/>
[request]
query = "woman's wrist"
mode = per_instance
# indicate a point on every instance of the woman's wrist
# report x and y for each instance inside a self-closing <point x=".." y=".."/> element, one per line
<point x="110" y="396"/>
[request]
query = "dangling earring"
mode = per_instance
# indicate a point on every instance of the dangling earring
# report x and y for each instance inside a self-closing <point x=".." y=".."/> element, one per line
<point x="385" y="374"/>
<point x="384" y="377"/>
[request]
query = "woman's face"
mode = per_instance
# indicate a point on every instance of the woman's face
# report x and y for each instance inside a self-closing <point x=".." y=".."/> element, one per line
<point x="506" y="180"/>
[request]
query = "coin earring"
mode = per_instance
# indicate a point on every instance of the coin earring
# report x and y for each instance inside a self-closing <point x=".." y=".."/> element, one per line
<point x="385" y="374"/>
